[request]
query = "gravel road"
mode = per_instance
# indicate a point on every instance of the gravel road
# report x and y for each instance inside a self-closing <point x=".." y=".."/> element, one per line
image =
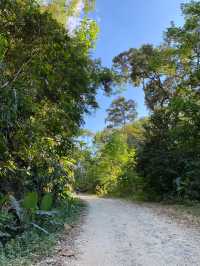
<point x="119" y="233"/>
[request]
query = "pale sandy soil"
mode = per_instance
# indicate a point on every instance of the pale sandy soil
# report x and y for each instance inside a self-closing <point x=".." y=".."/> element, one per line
<point x="121" y="233"/>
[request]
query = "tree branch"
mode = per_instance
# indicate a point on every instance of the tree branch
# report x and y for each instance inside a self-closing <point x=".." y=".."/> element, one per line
<point x="16" y="75"/>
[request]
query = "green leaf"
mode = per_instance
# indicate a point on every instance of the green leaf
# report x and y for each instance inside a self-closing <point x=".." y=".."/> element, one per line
<point x="30" y="201"/>
<point x="47" y="202"/>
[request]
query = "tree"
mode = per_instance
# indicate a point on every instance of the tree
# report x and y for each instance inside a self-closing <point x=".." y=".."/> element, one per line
<point x="110" y="168"/>
<point x="169" y="75"/>
<point x="111" y="155"/>
<point x="121" y="112"/>
<point x="63" y="10"/>
<point x="152" y="68"/>
<point x="46" y="89"/>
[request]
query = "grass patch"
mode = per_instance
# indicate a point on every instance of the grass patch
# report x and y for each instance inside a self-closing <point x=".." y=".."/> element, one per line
<point x="26" y="249"/>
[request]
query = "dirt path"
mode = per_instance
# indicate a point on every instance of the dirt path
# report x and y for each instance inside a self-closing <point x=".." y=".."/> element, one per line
<point x="118" y="233"/>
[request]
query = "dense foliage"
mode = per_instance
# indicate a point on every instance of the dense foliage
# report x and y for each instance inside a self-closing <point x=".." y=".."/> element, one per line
<point x="48" y="82"/>
<point x="109" y="165"/>
<point x="169" y="158"/>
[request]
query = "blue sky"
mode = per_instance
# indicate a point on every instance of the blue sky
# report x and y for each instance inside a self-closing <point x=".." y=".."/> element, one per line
<point x="125" y="24"/>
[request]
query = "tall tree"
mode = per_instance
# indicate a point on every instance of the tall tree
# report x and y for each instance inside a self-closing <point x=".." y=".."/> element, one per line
<point x="121" y="112"/>
<point x="45" y="90"/>
<point x="64" y="10"/>
<point x="170" y="76"/>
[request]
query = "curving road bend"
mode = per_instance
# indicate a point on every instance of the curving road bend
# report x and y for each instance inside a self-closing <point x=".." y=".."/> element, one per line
<point x="119" y="233"/>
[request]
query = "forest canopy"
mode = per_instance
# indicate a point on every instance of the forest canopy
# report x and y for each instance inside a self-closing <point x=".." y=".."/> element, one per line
<point x="166" y="159"/>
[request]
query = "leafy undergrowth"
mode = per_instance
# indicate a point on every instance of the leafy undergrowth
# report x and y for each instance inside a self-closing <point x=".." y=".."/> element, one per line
<point x="32" y="245"/>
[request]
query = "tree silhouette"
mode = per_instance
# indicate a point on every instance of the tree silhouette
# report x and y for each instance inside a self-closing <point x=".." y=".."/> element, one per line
<point x="121" y="112"/>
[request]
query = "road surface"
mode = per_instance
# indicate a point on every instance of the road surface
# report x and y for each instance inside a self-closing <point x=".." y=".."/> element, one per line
<point x="120" y="233"/>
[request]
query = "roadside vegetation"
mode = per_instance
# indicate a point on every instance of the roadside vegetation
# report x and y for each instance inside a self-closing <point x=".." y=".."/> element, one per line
<point x="155" y="158"/>
<point x="49" y="81"/>
<point x="34" y="243"/>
